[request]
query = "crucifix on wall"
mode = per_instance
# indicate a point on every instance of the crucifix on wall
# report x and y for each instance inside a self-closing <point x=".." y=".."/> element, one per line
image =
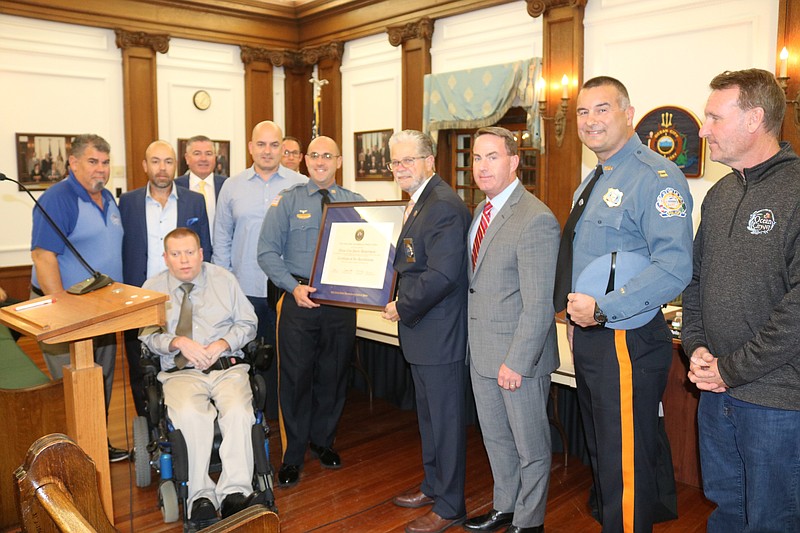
<point x="315" y="123"/>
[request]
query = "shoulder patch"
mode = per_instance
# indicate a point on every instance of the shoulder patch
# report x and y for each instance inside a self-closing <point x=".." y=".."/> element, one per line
<point x="670" y="203"/>
<point x="276" y="200"/>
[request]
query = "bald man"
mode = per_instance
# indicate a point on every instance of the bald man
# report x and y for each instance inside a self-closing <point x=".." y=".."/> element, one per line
<point x="241" y="206"/>
<point x="148" y="214"/>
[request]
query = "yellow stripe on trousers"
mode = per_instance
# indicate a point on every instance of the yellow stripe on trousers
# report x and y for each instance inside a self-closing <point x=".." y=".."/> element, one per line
<point x="278" y="370"/>
<point x="626" y="427"/>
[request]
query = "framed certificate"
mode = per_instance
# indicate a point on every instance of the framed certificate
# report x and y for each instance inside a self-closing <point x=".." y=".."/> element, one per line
<point x="353" y="263"/>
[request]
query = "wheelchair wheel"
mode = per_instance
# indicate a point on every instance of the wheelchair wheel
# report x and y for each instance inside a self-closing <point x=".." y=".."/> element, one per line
<point x="168" y="501"/>
<point x="141" y="457"/>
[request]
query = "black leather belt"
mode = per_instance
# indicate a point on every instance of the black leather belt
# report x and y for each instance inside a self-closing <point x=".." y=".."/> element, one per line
<point x="36" y="290"/>
<point x="223" y="363"/>
<point x="301" y="280"/>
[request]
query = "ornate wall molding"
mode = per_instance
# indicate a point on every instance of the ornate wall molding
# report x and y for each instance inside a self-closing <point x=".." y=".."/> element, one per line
<point x="420" y="29"/>
<point x="250" y="54"/>
<point x="312" y="55"/>
<point x="158" y="42"/>
<point x="539" y="7"/>
<point x="293" y="59"/>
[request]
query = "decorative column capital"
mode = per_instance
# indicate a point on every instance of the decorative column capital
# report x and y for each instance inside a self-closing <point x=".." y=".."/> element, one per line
<point x="311" y="56"/>
<point x="250" y="54"/>
<point x="420" y="29"/>
<point x="539" y="7"/>
<point x="158" y="42"/>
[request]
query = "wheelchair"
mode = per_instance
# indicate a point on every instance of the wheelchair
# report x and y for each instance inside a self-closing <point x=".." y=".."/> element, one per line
<point x="160" y="447"/>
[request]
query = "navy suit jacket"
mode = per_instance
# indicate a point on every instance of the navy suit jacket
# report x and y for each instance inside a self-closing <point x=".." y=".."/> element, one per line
<point x="431" y="262"/>
<point x="219" y="179"/>
<point x="191" y="214"/>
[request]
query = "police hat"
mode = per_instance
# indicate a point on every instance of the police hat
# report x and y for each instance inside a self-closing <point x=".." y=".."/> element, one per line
<point x="594" y="281"/>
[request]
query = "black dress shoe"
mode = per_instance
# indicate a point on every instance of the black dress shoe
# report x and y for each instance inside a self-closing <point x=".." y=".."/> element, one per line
<point x="202" y="509"/>
<point x="288" y="475"/>
<point x="517" y="529"/>
<point x="328" y="458"/>
<point x="116" y="454"/>
<point x="232" y="504"/>
<point x="490" y="521"/>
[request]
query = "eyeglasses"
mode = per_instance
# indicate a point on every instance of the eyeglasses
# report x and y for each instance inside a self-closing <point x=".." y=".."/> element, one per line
<point x="394" y="164"/>
<point x="293" y="153"/>
<point x="326" y="155"/>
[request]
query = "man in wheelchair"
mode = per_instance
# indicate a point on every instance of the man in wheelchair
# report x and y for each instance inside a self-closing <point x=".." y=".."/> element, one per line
<point x="209" y="320"/>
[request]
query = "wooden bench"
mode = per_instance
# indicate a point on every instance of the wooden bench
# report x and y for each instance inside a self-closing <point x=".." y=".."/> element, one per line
<point x="31" y="405"/>
<point x="57" y="491"/>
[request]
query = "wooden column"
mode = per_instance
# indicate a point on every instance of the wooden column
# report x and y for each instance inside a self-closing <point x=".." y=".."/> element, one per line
<point x="789" y="36"/>
<point x="328" y="59"/>
<point x="563" y="54"/>
<point x="416" y="40"/>
<point x="140" y="97"/>
<point x="257" y="88"/>
<point x="299" y="98"/>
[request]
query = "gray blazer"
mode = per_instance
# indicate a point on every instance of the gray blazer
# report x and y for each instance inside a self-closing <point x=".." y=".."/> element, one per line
<point x="510" y="305"/>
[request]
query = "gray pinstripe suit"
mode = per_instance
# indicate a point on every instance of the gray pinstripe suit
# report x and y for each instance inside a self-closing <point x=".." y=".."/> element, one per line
<point x="511" y="322"/>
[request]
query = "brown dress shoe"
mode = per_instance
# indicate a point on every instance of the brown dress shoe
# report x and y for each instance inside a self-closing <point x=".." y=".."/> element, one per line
<point x="433" y="523"/>
<point x="412" y="499"/>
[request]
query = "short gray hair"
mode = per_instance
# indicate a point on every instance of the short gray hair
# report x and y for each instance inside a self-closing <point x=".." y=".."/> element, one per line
<point x="81" y="142"/>
<point x="422" y="140"/>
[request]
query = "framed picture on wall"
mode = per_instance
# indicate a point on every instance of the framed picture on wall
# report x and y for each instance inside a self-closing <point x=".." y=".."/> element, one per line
<point x="42" y="159"/>
<point x="221" y="148"/>
<point x="372" y="155"/>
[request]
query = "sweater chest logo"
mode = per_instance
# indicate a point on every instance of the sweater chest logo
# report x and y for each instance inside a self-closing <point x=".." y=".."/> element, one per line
<point x="761" y="222"/>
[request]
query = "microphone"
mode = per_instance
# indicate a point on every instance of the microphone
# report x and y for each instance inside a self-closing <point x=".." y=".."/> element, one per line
<point x="97" y="280"/>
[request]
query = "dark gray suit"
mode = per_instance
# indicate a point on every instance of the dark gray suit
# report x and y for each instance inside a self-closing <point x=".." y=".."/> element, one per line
<point x="511" y="322"/>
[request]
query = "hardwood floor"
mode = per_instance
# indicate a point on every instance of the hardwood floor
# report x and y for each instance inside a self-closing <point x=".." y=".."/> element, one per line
<point x="380" y="451"/>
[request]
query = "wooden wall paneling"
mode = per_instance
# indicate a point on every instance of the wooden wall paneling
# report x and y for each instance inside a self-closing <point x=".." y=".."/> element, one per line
<point x="789" y="36"/>
<point x="328" y="20"/>
<point x="329" y="62"/>
<point x="415" y="38"/>
<point x="299" y="102"/>
<point x="563" y="54"/>
<point x="140" y="97"/>
<point x="257" y="88"/>
<point x="221" y="21"/>
<point x="16" y="281"/>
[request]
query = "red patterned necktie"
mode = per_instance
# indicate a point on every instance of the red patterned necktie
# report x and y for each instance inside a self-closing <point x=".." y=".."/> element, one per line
<point x="486" y="217"/>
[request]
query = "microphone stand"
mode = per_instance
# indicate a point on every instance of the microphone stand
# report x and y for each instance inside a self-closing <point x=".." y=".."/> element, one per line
<point x="97" y="280"/>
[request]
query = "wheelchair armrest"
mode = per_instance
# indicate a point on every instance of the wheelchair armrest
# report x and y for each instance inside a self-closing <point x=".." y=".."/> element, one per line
<point x="259" y="354"/>
<point x="148" y="360"/>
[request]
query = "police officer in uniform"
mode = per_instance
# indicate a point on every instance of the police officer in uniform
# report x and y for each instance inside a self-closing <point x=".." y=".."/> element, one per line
<point x="315" y="342"/>
<point x="635" y="201"/>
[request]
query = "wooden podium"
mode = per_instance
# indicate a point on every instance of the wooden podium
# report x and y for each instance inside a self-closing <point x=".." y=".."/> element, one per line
<point x="76" y="319"/>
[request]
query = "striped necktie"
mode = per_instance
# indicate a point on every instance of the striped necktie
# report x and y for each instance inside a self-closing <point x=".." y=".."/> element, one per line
<point x="486" y="217"/>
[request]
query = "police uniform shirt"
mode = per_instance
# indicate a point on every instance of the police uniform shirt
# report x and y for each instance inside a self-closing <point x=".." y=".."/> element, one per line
<point x="290" y="231"/>
<point x="640" y="204"/>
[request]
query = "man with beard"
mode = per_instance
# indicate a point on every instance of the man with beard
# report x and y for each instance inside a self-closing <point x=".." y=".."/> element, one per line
<point x="148" y="214"/>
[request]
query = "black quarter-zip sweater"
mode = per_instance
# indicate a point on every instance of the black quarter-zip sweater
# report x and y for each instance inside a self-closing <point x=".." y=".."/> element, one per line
<point x="743" y="302"/>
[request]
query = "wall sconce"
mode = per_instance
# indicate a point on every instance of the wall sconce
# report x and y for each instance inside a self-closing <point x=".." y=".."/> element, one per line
<point x="560" y="119"/>
<point x="783" y="80"/>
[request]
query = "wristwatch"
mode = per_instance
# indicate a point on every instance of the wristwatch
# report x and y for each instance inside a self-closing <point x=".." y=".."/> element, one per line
<point x="599" y="316"/>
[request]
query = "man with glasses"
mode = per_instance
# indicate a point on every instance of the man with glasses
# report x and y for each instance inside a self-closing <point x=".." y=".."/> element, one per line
<point x="315" y="342"/>
<point x="292" y="153"/>
<point x="242" y="204"/>
<point x="431" y="312"/>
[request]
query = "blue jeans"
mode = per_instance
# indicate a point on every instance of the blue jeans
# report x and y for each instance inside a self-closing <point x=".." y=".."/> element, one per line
<point x="750" y="459"/>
